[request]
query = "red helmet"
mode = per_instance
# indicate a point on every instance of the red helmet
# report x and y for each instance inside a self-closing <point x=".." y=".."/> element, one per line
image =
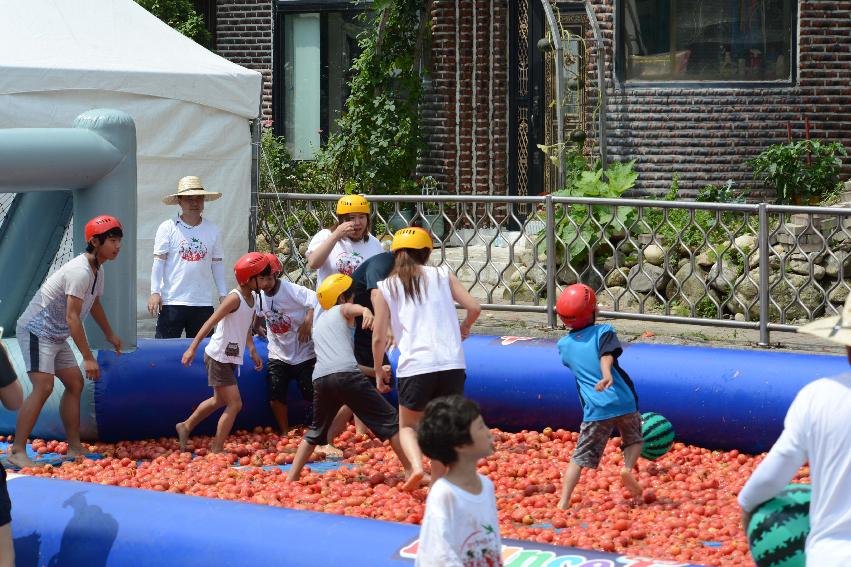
<point x="576" y="306"/>
<point x="277" y="268"/>
<point x="101" y="224"/>
<point x="248" y="266"/>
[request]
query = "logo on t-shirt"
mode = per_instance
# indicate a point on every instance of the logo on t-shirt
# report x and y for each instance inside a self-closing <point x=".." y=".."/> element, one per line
<point x="478" y="549"/>
<point x="348" y="262"/>
<point x="279" y="323"/>
<point x="192" y="250"/>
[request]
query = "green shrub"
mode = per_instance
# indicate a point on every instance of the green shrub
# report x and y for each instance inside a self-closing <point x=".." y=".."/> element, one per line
<point x="800" y="171"/>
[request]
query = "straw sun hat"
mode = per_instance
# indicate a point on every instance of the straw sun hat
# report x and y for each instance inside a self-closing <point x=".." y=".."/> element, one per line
<point x="190" y="186"/>
<point x="836" y="329"/>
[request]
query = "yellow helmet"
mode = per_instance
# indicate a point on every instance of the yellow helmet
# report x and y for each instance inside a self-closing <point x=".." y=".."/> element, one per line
<point x="412" y="237"/>
<point x="352" y="204"/>
<point x="331" y="288"/>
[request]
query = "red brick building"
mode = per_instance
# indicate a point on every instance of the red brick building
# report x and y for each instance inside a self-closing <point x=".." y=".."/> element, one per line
<point x="693" y="87"/>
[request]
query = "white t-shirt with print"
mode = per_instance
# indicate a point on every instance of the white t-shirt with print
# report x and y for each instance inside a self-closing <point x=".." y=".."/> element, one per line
<point x="346" y="255"/>
<point x="45" y="316"/>
<point x="189" y="266"/>
<point x="817" y="430"/>
<point x="284" y="312"/>
<point x="460" y="529"/>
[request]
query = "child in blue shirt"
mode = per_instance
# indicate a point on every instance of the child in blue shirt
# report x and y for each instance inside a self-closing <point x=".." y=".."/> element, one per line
<point x="606" y="392"/>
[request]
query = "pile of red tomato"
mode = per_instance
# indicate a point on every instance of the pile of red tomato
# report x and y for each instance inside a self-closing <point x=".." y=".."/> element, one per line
<point x="689" y="511"/>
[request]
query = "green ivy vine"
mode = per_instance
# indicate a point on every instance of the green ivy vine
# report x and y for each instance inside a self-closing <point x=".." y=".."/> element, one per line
<point x="379" y="139"/>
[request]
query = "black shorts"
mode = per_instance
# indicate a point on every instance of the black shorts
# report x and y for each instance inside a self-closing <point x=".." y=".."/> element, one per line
<point x="5" y="502"/>
<point x="279" y="376"/>
<point x="417" y="391"/>
<point x="355" y="390"/>
<point x="175" y="319"/>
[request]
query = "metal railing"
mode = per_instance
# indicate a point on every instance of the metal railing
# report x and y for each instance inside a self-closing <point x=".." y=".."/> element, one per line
<point x="751" y="266"/>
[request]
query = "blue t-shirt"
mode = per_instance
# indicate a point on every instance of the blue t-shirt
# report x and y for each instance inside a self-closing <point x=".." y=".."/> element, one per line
<point x="581" y="351"/>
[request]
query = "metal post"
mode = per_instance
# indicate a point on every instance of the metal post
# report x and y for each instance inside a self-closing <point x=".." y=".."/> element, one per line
<point x="601" y="81"/>
<point x="764" y="337"/>
<point x="255" y="183"/>
<point x="551" y="262"/>
<point x="559" y="80"/>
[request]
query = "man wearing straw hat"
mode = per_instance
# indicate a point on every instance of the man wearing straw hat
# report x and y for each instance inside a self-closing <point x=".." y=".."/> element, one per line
<point x="187" y="249"/>
<point x="817" y="429"/>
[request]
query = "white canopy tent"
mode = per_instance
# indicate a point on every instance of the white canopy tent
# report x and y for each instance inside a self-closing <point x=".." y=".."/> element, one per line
<point x="192" y="108"/>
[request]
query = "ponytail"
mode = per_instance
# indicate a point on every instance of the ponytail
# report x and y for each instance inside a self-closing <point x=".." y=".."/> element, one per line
<point x="406" y="267"/>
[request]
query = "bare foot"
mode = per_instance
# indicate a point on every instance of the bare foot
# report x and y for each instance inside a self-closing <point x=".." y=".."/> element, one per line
<point x="182" y="435"/>
<point x="412" y="481"/>
<point x="631" y="484"/>
<point x="22" y="460"/>
<point x="331" y="452"/>
<point x="563" y="505"/>
<point x="75" y="451"/>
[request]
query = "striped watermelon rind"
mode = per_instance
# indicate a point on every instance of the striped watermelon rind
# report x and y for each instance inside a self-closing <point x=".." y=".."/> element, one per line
<point x="658" y="435"/>
<point x="778" y="529"/>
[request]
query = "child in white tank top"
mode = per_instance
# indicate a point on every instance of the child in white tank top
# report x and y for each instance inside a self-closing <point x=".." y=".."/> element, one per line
<point x="418" y="303"/>
<point x="224" y="353"/>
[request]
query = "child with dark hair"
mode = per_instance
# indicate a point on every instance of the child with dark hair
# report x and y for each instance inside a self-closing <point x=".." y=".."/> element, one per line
<point x="460" y="526"/>
<point x="55" y="313"/>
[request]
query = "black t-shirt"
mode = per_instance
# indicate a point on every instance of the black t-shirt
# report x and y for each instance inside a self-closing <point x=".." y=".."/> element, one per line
<point x="366" y="277"/>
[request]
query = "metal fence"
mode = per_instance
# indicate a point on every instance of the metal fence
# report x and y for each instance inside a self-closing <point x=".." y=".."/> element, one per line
<point x="752" y="266"/>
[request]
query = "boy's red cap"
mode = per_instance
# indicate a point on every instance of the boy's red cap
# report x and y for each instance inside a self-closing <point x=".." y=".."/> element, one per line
<point x="249" y="266"/>
<point x="100" y="225"/>
<point x="275" y="263"/>
<point x="576" y="306"/>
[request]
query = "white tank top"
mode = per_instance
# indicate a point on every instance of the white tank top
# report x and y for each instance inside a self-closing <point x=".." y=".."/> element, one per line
<point x="426" y="332"/>
<point x="228" y="342"/>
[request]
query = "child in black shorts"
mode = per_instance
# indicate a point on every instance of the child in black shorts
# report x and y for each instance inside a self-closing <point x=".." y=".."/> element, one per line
<point x="11" y="397"/>
<point x="338" y="381"/>
<point x="285" y="315"/>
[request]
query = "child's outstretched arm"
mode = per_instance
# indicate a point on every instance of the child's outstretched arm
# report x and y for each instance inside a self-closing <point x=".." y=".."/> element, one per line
<point x="249" y="344"/>
<point x="379" y="342"/>
<point x="463" y="297"/>
<point x="226" y="307"/>
<point x="606" y="362"/>
<point x="353" y="310"/>
<point x="99" y="315"/>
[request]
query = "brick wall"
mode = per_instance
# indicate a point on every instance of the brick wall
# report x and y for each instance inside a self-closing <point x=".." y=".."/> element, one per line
<point x="706" y="135"/>
<point x="703" y="135"/>
<point x="464" y="107"/>
<point x="244" y="36"/>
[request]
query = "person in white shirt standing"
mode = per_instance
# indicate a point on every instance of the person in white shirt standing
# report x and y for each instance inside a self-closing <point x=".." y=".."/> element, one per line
<point x="418" y="303"/>
<point x="187" y="249"/>
<point x="55" y="313"/>
<point x="460" y="527"/>
<point x="223" y="355"/>
<point x="285" y="315"/>
<point x="340" y="250"/>
<point x="345" y="246"/>
<point x="817" y="430"/>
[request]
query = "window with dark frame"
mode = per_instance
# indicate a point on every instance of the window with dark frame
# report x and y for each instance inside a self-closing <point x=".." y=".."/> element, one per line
<point x="315" y="45"/>
<point x="715" y="41"/>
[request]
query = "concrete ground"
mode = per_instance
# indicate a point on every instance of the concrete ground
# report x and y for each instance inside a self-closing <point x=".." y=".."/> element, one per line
<point x="535" y="325"/>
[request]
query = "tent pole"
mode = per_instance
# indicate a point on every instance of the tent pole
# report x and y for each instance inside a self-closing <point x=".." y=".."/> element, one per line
<point x="255" y="182"/>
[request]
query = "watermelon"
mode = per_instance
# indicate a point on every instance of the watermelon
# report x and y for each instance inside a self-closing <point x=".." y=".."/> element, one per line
<point x="658" y="435"/>
<point x="778" y="528"/>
